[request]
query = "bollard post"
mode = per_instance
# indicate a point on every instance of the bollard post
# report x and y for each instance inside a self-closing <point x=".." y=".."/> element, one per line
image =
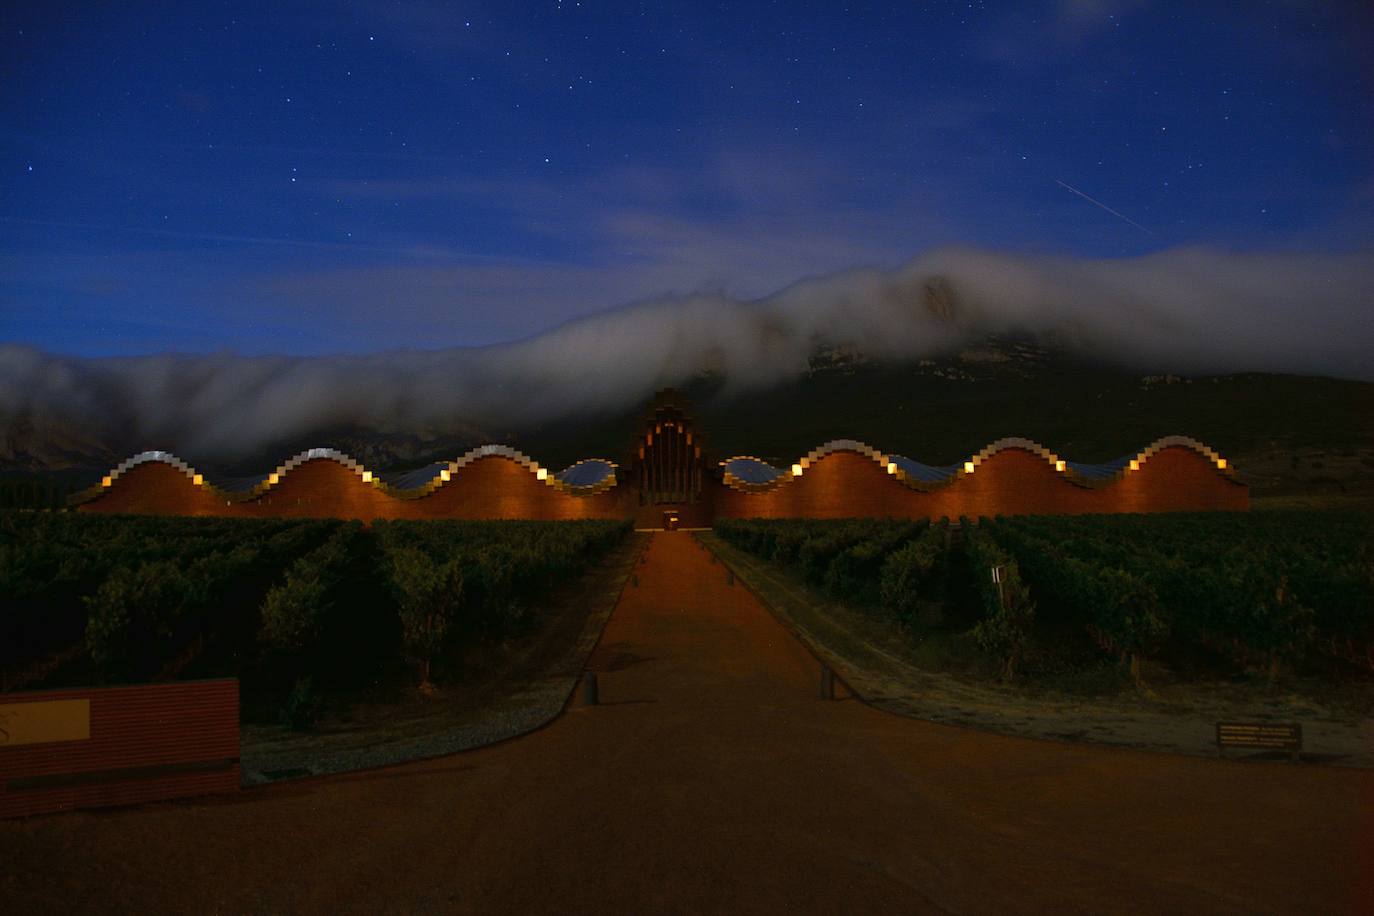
<point x="590" y="693"/>
<point x="827" y="683"/>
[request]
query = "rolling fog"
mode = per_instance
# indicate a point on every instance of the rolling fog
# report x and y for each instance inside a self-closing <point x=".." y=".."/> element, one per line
<point x="1184" y="310"/>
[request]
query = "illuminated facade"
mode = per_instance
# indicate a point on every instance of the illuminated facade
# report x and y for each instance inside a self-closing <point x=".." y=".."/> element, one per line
<point x="669" y="471"/>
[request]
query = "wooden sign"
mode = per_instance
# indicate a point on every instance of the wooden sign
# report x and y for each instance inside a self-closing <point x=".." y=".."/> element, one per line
<point x="1267" y="736"/>
<point x="44" y="722"/>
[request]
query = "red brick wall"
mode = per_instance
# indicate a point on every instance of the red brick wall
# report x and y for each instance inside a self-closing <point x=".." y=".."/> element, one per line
<point x="156" y="488"/>
<point x="322" y="488"/>
<point x="843" y="484"/>
<point x="1010" y="482"/>
<point x="1178" y="479"/>
<point x="490" y="487"/>
<point x="147" y="742"/>
<point x="496" y="487"/>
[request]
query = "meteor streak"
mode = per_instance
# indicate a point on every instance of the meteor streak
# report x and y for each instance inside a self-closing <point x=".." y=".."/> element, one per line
<point x="1102" y="205"/>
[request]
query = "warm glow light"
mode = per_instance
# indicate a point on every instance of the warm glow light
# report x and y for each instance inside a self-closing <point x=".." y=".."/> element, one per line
<point x="1135" y="465"/>
<point x="106" y="481"/>
<point x="197" y="480"/>
<point x="892" y="467"/>
<point x="542" y="474"/>
<point x="1221" y="464"/>
<point x="367" y="477"/>
<point x="1059" y="465"/>
<point x="272" y="479"/>
<point x="968" y="467"/>
<point x="444" y="475"/>
<point x="796" y="470"/>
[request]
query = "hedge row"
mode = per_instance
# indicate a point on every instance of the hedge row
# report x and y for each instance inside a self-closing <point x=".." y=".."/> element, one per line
<point x="885" y="564"/>
<point x="274" y="599"/>
<point x="1263" y="589"/>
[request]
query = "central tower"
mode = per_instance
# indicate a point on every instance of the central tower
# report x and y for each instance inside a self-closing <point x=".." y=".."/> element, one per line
<point x="667" y="461"/>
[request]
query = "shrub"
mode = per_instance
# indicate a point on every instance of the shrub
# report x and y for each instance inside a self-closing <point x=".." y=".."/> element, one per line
<point x="427" y="595"/>
<point x="134" y="615"/>
<point x="302" y="706"/>
<point x="909" y="575"/>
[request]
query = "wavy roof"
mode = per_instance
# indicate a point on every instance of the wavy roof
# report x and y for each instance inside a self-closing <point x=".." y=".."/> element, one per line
<point x="582" y="479"/>
<point x="595" y="475"/>
<point x="753" y="475"/>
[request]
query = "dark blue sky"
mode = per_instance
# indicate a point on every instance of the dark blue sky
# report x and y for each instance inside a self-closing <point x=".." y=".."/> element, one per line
<point x="346" y="177"/>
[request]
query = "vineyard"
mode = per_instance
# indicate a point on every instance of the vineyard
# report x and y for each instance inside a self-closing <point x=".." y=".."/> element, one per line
<point x="1230" y="593"/>
<point x="291" y="607"/>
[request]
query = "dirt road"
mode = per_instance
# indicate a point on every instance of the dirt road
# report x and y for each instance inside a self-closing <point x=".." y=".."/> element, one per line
<point x="712" y="779"/>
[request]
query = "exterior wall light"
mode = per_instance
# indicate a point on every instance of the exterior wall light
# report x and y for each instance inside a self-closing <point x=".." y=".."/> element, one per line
<point x="796" y="470"/>
<point x="542" y="474"/>
<point x="367" y="477"/>
<point x="968" y="467"/>
<point x="444" y="475"/>
<point x="1221" y="464"/>
<point x="272" y="479"/>
<point x="1059" y="465"/>
<point x="198" y="480"/>
<point x="1135" y="465"/>
<point x="106" y="481"/>
<point x="892" y="467"/>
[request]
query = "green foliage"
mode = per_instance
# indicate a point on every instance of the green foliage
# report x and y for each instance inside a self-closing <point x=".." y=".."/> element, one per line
<point x="506" y="567"/>
<point x="843" y="556"/>
<point x="1262" y="589"/>
<point x="1009" y="612"/>
<point x="275" y="601"/>
<point x="427" y="595"/>
<point x="302" y="706"/>
<point x="137" y="610"/>
<point x="912" y="574"/>
<point x="294" y="609"/>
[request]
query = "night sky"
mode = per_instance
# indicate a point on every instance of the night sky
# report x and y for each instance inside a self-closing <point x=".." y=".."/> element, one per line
<point x="320" y="178"/>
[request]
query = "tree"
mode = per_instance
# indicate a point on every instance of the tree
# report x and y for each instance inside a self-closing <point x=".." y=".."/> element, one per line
<point x="427" y="595"/>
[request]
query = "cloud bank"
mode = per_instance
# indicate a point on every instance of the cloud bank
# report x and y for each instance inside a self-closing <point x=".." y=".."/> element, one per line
<point x="1184" y="310"/>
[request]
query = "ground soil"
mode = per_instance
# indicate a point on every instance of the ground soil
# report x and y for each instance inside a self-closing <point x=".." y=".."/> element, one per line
<point x="712" y="778"/>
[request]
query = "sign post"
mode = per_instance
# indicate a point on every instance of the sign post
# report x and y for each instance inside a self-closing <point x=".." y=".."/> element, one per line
<point x="1268" y="736"/>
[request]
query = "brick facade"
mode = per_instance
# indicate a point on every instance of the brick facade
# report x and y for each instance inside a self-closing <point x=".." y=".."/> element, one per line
<point x="839" y="484"/>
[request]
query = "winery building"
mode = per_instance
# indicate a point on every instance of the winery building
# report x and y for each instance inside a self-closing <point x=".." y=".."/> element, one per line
<point x="669" y="476"/>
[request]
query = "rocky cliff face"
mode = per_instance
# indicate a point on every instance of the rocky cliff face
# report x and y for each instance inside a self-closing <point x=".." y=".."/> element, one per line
<point x="938" y="298"/>
<point x="31" y="443"/>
